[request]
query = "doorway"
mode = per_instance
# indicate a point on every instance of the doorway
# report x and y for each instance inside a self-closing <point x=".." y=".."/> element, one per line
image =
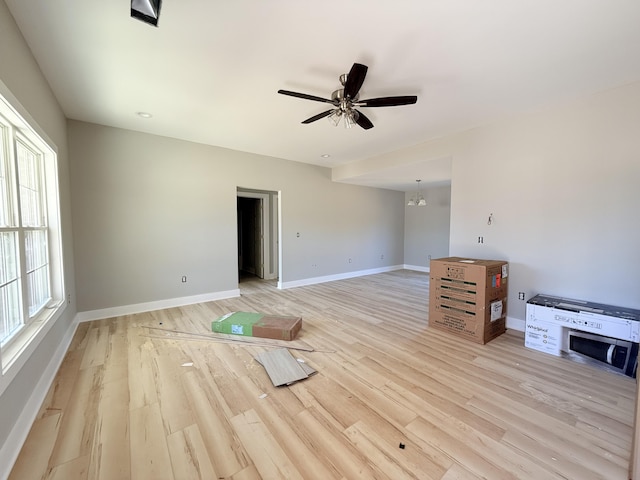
<point x="257" y="217"/>
<point x="250" y="254"/>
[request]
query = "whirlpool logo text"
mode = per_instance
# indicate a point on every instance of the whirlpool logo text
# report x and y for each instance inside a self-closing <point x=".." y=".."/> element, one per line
<point x="537" y="328"/>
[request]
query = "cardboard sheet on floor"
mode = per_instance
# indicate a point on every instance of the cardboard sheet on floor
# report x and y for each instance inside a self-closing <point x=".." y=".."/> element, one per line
<point x="282" y="368"/>
<point x="305" y="366"/>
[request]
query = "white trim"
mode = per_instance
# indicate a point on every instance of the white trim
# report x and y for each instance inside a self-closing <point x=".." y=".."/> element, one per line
<point x="157" y="305"/>
<point x="515" y="324"/>
<point x="18" y="435"/>
<point x="267" y="235"/>
<point x="279" y="238"/>
<point x="339" y="276"/>
<point x="24" y="347"/>
<point x="417" y="268"/>
<point x="27" y="120"/>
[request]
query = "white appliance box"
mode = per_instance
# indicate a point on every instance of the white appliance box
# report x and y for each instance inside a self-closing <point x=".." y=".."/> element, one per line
<point x="607" y="320"/>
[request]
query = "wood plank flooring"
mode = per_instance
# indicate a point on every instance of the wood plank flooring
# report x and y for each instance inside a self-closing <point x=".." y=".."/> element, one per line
<point x="135" y="401"/>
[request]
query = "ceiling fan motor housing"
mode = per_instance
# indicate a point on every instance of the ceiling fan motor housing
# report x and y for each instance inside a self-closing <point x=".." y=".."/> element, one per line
<point x="344" y="104"/>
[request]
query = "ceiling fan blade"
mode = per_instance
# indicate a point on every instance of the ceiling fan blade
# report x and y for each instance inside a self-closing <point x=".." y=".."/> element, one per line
<point x="387" y="101"/>
<point x="355" y="79"/>
<point x="306" y="96"/>
<point x="363" y="121"/>
<point x="319" y="116"/>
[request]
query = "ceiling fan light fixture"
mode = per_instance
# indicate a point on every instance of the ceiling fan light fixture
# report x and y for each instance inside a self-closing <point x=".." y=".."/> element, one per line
<point x="350" y="118"/>
<point x="335" y="117"/>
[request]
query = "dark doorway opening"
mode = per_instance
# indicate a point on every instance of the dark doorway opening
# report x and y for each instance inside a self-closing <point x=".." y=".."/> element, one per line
<point x="250" y="262"/>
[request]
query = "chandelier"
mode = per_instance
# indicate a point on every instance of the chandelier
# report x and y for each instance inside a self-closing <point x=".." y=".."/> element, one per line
<point x="417" y="200"/>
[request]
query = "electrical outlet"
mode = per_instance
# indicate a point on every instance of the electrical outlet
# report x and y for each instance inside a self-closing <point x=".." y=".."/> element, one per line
<point x="480" y="239"/>
<point x="381" y="257"/>
<point x="349" y="260"/>
<point x="520" y="295"/>
<point x="69" y="299"/>
<point x="184" y="279"/>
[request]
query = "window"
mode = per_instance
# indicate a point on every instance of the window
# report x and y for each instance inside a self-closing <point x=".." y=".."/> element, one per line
<point x="31" y="287"/>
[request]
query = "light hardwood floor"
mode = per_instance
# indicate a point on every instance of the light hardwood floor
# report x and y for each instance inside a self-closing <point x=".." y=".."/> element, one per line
<point x="132" y="401"/>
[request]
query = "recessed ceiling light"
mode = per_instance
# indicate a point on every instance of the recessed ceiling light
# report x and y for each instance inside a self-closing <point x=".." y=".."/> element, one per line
<point x="144" y="114"/>
<point x="325" y="155"/>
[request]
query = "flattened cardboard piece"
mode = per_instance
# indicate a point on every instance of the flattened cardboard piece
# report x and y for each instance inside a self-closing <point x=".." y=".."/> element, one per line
<point x="281" y="367"/>
<point x="309" y="370"/>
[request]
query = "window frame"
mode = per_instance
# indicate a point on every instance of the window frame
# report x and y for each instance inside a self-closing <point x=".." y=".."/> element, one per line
<point x="15" y="128"/>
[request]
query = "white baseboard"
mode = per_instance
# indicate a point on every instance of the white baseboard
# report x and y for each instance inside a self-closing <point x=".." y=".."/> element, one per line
<point x="157" y="305"/>
<point x="417" y="268"/>
<point x="18" y="435"/>
<point x="515" y="324"/>
<point x="339" y="276"/>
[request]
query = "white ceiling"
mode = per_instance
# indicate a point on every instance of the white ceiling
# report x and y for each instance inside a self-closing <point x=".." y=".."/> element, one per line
<point x="210" y="72"/>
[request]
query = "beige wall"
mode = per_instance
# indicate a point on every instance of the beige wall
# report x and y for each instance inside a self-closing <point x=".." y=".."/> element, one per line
<point x="148" y="210"/>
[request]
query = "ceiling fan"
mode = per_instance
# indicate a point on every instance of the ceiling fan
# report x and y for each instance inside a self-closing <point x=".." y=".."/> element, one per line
<point x="345" y="99"/>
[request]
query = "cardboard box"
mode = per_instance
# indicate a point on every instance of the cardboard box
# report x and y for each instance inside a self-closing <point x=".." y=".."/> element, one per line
<point x="544" y="337"/>
<point x="258" y="325"/>
<point x="475" y="330"/>
<point x="597" y="334"/>
<point x="468" y="297"/>
<point x="608" y="320"/>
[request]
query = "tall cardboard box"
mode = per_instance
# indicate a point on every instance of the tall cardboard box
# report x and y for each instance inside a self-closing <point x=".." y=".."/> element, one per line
<point x="468" y="297"/>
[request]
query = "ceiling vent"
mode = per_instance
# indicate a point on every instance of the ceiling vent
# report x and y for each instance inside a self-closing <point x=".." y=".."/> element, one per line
<point x="147" y="11"/>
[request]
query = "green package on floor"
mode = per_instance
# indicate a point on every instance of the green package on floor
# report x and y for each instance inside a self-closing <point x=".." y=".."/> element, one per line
<point x="252" y="324"/>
